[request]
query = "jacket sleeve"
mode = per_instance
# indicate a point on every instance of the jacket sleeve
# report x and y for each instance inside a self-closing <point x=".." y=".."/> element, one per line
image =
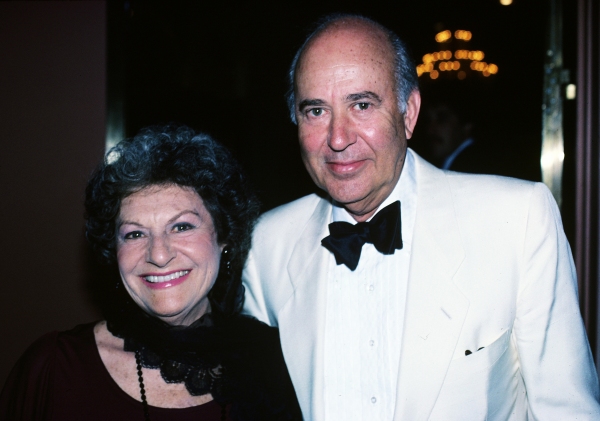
<point x="254" y="301"/>
<point x="555" y="357"/>
<point x="26" y="393"/>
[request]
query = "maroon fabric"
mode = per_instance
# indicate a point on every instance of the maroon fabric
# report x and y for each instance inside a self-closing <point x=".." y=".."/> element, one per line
<point x="62" y="377"/>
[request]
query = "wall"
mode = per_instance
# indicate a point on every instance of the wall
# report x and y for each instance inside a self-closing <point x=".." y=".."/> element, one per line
<point x="52" y="108"/>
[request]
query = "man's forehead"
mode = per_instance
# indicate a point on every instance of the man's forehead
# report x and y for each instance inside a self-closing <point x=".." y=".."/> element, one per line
<point x="344" y="49"/>
<point x="350" y="37"/>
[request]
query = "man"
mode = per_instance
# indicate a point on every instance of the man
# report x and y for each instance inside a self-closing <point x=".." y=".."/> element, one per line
<point x="447" y="120"/>
<point x="448" y="140"/>
<point x="469" y="313"/>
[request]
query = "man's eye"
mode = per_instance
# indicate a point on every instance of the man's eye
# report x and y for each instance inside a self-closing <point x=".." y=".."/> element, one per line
<point x="363" y="105"/>
<point x="182" y="227"/>
<point x="133" y="235"/>
<point x="315" y="112"/>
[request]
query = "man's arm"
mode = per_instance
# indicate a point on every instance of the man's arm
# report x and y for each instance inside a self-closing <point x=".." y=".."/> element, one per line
<point x="555" y="357"/>
<point x="254" y="303"/>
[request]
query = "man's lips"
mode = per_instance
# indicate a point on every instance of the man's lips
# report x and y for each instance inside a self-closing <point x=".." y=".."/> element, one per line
<point x="345" y="167"/>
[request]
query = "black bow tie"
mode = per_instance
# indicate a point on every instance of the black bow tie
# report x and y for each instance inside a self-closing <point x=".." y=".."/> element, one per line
<point x="383" y="231"/>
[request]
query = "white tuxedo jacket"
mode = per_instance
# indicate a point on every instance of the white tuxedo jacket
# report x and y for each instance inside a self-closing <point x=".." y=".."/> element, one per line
<point x="490" y="267"/>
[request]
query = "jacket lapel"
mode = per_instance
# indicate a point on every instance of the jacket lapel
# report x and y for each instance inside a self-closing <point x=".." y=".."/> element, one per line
<point x="435" y="307"/>
<point x="302" y="320"/>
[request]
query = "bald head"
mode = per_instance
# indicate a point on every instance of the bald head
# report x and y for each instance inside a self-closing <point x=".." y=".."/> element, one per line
<point x="374" y="35"/>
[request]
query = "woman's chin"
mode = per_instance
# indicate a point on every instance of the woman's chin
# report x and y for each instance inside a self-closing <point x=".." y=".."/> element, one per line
<point x="177" y="316"/>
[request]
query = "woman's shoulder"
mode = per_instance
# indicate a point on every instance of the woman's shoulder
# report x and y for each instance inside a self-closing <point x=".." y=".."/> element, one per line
<point x="29" y="383"/>
<point x="43" y="350"/>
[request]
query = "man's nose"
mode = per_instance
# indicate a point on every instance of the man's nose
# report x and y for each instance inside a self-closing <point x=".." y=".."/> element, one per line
<point x="340" y="136"/>
<point x="160" y="252"/>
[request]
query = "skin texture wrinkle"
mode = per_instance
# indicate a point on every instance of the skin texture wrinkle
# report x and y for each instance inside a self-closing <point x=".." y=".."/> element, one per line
<point x="352" y="134"/>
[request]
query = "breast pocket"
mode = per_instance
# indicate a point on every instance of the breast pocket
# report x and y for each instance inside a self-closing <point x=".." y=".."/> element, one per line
<point x="480" y="386"/>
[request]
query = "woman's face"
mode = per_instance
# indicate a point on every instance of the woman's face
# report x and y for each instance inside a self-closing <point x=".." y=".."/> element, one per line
<point x="167" y="252"/>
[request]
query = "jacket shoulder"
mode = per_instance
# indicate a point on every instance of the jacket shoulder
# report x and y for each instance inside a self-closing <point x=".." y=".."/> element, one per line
<point x="289" y="217"/>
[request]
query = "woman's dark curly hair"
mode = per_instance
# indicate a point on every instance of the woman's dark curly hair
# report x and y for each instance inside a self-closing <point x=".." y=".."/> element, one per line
<point x="177" y="155"/>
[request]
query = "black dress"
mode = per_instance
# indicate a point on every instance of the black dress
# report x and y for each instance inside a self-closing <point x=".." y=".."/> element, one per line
<point x="62" y="377"/>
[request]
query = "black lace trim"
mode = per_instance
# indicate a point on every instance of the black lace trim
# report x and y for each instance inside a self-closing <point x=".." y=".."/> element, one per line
<point x="199" y="379"/>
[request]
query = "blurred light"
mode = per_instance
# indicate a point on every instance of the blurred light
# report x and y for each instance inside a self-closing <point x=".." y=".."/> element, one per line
<point x="443" y="36"/>
<point x="552" y="157"/>
<point x="492" y="68"/>
<point x="434" y="74"/>
<point x="461" y="75"/>
<point x="505" y="2"/>
<point x="464" y="35"/>
<point x="571" y="91"/>
<point x="455" y="65"/>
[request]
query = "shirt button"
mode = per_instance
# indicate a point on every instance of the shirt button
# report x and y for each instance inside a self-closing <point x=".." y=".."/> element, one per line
<point x="373" y="399"/>
<point x="371" y="287"/>
<point x="371" y="342"/>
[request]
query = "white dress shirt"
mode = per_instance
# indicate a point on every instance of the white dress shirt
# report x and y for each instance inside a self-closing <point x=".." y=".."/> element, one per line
<point x="364" y="319"/>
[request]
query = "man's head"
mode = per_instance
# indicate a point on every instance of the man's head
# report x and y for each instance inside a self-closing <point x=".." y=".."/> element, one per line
<point x="355" y="100"/>
<point x="448" y="123"/>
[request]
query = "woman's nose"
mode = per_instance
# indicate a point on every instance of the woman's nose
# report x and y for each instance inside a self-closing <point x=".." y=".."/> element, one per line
<point x="160" y="252"/>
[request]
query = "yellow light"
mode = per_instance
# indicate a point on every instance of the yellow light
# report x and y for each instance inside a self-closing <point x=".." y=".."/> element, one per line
<point x="493" y="69"/>
<point x="436" y="56"/>
<point x="447" y="54"/>
<point x="434" y="74"/>
<point x="429" y="67"/>
<point x="443" y="36"/>
<point x="571" y="92"/>
<point x="486" y="73"/>
<point x="427" y="58"/>
<point x="474" y="65"/>
<point x="505" y="2"/>
<point x="455" y="65"/>
<point x="461" y="75"/>
<point x="468" y="35"/>
<point x="443" y="66"/>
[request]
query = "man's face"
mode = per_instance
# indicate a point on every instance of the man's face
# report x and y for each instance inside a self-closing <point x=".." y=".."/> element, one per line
<point x="444" y="131"/>
<point x="352" y="134"/>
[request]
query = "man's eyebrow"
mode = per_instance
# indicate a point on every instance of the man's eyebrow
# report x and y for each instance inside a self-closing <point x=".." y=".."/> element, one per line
<point x="310" y="103"/>
<point x="364" y="95"/>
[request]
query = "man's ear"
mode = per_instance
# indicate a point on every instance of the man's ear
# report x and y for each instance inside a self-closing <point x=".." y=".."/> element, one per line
<point x="412" y="112"/>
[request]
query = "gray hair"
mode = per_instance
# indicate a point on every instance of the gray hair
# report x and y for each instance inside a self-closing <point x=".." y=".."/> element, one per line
<point x="405" y="73"/>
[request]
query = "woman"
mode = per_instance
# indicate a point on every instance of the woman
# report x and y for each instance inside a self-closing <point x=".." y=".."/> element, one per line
<point x="173" y="210"/>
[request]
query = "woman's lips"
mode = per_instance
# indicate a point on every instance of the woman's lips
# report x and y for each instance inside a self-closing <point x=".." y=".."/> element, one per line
<point x="167" y="280"/>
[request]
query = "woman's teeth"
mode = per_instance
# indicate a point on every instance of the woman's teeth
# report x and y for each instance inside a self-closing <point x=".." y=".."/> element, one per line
<point x="165" y="278"/>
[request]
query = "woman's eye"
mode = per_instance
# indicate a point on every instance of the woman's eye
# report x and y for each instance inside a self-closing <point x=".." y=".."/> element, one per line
<point x="182" y="227"/>
<point x="133" y="234"/>
<point x="363" y="105"/>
